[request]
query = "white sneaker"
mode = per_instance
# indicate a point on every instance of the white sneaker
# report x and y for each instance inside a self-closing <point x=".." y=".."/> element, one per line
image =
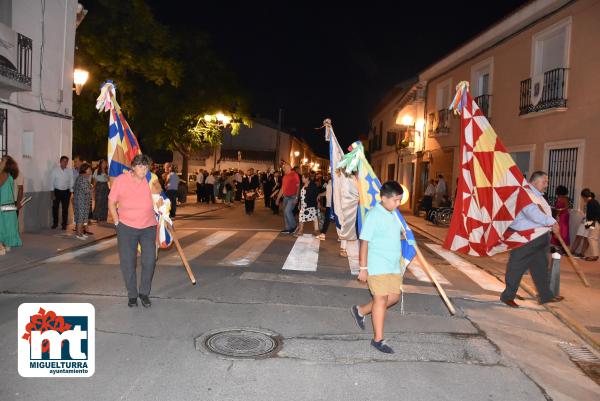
<point x="81" y="237"/>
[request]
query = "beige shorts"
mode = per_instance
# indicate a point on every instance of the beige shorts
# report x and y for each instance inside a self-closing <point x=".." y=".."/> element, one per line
<point x="385" y="284"/>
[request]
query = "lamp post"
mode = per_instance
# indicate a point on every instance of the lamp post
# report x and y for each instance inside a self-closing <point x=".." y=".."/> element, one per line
<point x="80" y="77"/>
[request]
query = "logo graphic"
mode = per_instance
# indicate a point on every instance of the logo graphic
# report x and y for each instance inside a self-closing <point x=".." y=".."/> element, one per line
<point x="56" y="340"/>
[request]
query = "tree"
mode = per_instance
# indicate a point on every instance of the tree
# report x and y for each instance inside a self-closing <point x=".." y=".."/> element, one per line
<point x="207" y="87"/>
<point x="121" y="41"/>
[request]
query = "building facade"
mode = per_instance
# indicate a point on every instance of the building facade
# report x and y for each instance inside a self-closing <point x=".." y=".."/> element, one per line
<point x="37" y="41"/>
<point x="255" y="147"/>
<point x="534" y="75"/>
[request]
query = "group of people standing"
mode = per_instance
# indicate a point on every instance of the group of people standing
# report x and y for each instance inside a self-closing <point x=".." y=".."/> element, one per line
<point x="89" y="188"/>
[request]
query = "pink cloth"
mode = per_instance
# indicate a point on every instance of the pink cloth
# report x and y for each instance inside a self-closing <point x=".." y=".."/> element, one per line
<point x="134" y="201"/>
<point x="563" y="220"/>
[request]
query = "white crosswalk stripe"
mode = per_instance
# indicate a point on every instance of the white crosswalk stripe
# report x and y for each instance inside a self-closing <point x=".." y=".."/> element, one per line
<point x="417" y="270"/>
<point x="197" y="248"/>
<point x="69" y="256"/>
<point x="250" y="250"/>
<point x="477" y="275"/>
<point x="304" y="255"/>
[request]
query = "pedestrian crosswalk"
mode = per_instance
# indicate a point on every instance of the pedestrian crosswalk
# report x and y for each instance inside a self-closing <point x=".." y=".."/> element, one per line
<point x="268" y="249"/>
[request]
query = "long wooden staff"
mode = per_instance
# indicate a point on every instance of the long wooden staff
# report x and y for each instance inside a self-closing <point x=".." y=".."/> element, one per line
<point x="573" y="261"/>
<point x="171" y="231"/>
<point x="426" y="266"/>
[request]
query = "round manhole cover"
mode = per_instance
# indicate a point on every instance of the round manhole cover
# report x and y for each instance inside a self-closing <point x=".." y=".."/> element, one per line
<point x="241" y="343"/>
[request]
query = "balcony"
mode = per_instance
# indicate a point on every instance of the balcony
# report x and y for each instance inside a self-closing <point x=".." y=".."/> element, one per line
<point x="438" y="123"/>
<point x="549" y="94"/>
<point x="483" y="102"/>
<point x="15" y="60"/>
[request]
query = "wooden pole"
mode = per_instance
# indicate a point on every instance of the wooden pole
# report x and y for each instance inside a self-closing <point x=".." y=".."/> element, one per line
<point x="426" y="266"/>
<point x="171" y="231"/>
<point x="573" y="261"/>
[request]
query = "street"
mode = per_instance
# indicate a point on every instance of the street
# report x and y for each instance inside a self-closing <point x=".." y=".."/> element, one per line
<point x="251" y="276"/>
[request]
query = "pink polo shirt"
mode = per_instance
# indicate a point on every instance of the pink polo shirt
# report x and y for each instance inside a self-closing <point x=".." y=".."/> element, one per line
<point x="134" y="201"/>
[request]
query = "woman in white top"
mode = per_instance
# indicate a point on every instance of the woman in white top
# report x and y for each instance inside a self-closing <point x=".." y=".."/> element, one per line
<point x="100" y="183"/>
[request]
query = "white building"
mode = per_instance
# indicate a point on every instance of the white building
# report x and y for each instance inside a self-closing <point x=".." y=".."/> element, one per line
<point x="37" y="41"/>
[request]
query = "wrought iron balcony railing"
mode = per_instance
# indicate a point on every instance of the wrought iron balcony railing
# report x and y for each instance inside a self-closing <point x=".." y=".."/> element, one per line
<point x="483" y="102"/>
<point x="439" y="123"/>
<point x="17" y="73"/>
<point x="551" y="93"/>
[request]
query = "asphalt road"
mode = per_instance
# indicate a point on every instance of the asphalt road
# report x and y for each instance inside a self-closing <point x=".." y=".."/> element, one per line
<point x="251" y="276"/>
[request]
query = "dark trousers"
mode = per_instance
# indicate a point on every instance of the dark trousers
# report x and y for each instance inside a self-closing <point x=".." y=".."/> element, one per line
<point x="199" y="192"/>
<point x="267" y="197"/>
<point x="249" y="205"/>
<point x="238" y="191"/>
<point x="532" y="256"/>
<point x="61" y="198"/>
<point x="274" y="206"/>
<point x="128" y="239"/>
<point x="427" y="204"/>
<point x="172" y="195"/>
<point x="209" y="193"/>
<point x="326" y="221"/>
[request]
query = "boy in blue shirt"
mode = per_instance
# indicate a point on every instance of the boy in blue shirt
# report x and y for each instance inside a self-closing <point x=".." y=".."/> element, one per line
<point x="379" y="260"/>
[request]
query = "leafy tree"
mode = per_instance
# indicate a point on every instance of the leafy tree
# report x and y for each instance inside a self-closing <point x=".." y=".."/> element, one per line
<point x="121" y="41"/>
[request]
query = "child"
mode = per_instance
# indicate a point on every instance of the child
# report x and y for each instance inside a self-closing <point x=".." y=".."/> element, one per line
<point x="379" y="260"/>
<point x="308" y="205"/>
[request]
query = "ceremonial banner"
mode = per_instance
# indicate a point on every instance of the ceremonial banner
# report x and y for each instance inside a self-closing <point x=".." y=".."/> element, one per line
<point x="122" y="148"/>
<point x="491" y="189"/>
<point x="344" y="194"/>
<point x="368" y="189"/>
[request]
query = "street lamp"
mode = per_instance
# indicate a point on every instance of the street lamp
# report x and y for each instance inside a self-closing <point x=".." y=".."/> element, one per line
<point x="80" y="77"/>
<point x="296" y="153"/>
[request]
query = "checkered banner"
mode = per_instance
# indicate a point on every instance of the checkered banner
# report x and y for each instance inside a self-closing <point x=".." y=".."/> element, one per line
<point x="491" y="188"/>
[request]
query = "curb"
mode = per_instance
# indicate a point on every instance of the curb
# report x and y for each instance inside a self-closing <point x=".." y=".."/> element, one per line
<point x="95" y="241"/>
<point x="575" y="327"/>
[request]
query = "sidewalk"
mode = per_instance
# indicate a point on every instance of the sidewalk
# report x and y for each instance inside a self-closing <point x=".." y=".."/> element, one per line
<point x="579" y="310"/>
<point x="47" y="243"/>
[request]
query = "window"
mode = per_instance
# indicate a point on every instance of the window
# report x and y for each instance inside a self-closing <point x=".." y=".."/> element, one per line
<point x="6" y="12"/>
<point x="27" y="144"/>
<point x="3" y="132"/>
<point x="391" y="173"/>
<point x="481" y="84"/>
<point x="551" y="48"/>
<point x="444" y="95"/>
<point x="391" y="138"/>
<point x="523" y="162"/>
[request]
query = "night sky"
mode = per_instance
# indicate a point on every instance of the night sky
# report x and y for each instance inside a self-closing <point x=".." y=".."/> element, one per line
<point x="324" y="61"/>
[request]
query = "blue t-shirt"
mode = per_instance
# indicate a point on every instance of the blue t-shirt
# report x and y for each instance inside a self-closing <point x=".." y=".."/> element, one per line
<point x="382" y="230"/>
<point x="173" y="182"/>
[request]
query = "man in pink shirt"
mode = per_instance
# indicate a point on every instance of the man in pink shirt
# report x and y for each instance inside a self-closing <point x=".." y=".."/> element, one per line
<point x="131" y="207"/>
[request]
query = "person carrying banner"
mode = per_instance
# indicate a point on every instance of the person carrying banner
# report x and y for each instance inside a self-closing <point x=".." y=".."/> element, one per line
<point x="132" y="209"/>
<point x="533" y="255"/>
<point x="379" y="257"/>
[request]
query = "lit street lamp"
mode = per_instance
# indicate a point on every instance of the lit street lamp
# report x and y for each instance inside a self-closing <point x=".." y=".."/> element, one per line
<point x="80" y="77"/>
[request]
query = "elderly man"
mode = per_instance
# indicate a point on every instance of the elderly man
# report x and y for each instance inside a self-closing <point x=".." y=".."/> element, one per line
<point x="534" y="254"/>
<point x="136" y="224"/>
<point x="61" y="182"/>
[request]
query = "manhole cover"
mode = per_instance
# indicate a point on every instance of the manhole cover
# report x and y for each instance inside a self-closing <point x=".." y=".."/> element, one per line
<point x="240" y="343"/>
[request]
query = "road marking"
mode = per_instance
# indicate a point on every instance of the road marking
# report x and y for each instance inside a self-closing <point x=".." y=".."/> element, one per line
<point x="352" y="249"/>
<point x="250" y="250"/>
<point x="417" y="270"/>
<point x="68" y="256"/>
<point x="197" y="248"/>
<point x="343" y="283"/>
<point x="113" y="258"/>
<point x="480" y="277"/>
<point x="304" y="255"/>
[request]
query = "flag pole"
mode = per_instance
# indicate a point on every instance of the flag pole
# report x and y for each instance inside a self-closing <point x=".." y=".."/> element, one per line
<point x="427" y="266"/>
<point x="573" y="261"/>
<point x="171" y="231"/>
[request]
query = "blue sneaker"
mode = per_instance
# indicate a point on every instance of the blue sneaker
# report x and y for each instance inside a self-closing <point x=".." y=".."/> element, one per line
<point x="360" y="320"/>
<point x="382" y="346"/>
